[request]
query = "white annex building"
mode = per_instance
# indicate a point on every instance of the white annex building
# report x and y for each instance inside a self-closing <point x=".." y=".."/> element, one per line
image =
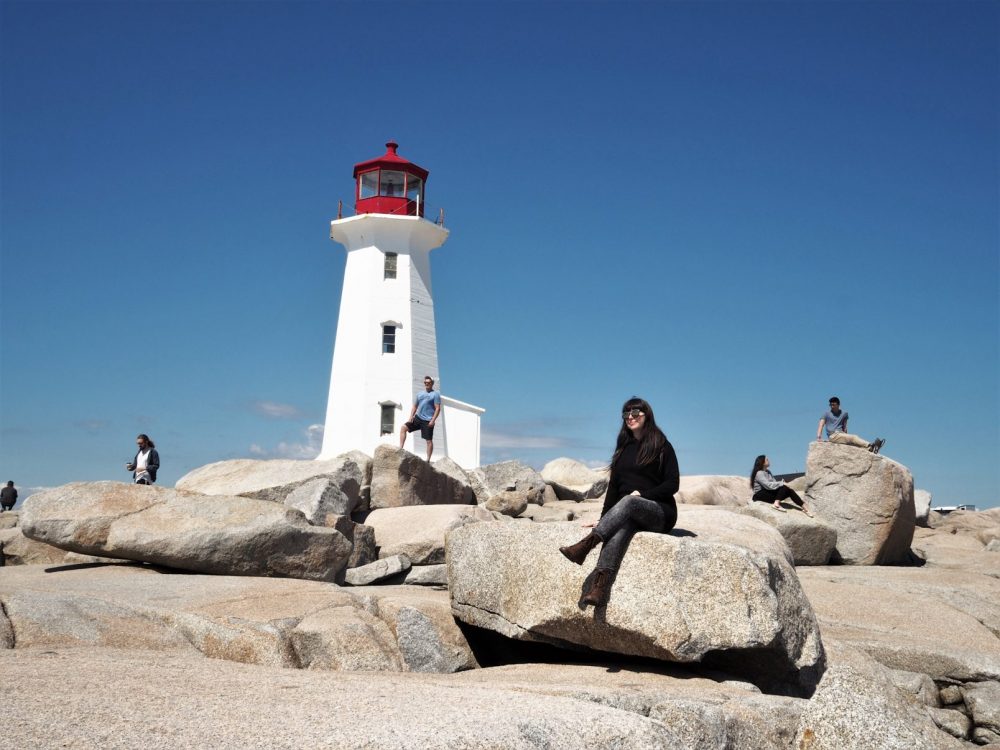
<point x="386" y="341"/>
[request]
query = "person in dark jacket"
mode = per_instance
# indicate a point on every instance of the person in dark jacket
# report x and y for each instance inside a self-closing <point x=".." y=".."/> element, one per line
<point x="767" y="489"/>
<point x="8" y="497"/>
<point x="644" y="478"/>
<point x="146" y="462"/>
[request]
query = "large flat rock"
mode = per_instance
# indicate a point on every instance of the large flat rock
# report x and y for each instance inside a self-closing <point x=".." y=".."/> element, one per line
<point x="267" y="621"/>
<point x="419" y="531"/>
<point x="130" y="699"/>
<point x="867" y="498"/>
<point x="941" y="622"/>
<point x="724" y="593"/>
<point x="334" y="485"/>
<point x="856" y="707"/>
<point x="202" y="533"/>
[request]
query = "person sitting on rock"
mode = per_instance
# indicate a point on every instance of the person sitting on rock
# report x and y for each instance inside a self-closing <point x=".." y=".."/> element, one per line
<point x="8" y="497"/>
<point x="644" y="478"/>
<point x="146" y="462"/>
<point x="834" y="422"/>
<point x="767" y="489"/>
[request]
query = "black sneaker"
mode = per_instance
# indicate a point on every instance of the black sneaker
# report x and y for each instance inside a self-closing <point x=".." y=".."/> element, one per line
<point x="879" y="442"/>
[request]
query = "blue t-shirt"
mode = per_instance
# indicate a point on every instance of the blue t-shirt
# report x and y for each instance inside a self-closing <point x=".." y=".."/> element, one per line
<point x="426" y="401"/>
<point x="834" y="422"/>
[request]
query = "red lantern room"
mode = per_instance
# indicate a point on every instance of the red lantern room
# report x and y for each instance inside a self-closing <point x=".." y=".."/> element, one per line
<point x="389" y="185"/>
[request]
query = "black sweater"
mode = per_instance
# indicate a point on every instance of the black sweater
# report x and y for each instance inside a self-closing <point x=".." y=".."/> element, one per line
<point x="658" y="480"/>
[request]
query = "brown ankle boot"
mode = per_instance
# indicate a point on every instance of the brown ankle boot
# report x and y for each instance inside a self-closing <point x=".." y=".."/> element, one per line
<point x="578" y="552"/>
<point x="600" y="587"/>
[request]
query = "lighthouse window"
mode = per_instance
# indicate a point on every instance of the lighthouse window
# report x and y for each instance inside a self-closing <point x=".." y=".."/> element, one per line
<point x="369" y="184"/>
<point x="414" y="187"/>
<point x="388" y="422"/>
<point x="392" y="183"/>
<point x="390" y="266"/>
<point x="388" y="339"/>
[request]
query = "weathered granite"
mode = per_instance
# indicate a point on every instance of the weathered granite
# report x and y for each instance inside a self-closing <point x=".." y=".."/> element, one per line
<point x="714" y="490"/>
<point x="380" y="570"/>
<point x="856" y="707"/>
<point x="203" y="533"/>
<point x="264" y="621"/>
<point x="419" y="531"/>
<point x="334" y="485"/>
<point x="907" y="618"/>
<point x="727" y="593"/>
<point x="811" y="540"/>
<point x="867" y="498"/>
<point x="400" y="478"/>
<point x="173" y="701"/>
<point x="427" y="575"/>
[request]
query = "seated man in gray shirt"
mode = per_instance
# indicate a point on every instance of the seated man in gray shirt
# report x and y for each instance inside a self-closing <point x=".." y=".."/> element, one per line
<point x="834" y="422"/>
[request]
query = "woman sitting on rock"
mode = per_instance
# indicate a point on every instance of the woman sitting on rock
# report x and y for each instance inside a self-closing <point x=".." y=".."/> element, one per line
<point x="767" y="489"/>
<point x="644" y="478"/>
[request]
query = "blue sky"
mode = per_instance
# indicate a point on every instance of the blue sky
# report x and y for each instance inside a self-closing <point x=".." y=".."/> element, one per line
<point x="734" y="210"/>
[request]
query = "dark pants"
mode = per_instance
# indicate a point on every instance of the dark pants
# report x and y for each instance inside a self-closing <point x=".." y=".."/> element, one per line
<point x="784" y="492"/>
<point x="629" y="515"/>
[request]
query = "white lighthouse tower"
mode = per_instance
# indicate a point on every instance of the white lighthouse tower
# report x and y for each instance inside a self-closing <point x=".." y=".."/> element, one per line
<point x="386" y="341"/>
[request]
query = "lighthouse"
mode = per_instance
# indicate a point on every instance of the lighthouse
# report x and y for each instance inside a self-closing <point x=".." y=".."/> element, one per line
<point x="386" y="341"/>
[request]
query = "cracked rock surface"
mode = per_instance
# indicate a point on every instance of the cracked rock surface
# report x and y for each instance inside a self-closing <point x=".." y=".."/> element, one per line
<point x="866" y="498"/>
<point x="719" y="589"/>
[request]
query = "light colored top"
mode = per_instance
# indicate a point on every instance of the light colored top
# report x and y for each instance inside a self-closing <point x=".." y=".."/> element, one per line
<point x="426" y="401"/>
<point x="764" y="480"/>
<point x="834" y="422"/>
<point x="140" y="461"/>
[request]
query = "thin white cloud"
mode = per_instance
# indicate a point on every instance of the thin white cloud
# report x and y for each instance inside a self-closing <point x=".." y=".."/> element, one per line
<point x="512" y="440"/>
<point x="274" y="410"/>
<point x="92" y="425"/>
<point x="308" y="448"/>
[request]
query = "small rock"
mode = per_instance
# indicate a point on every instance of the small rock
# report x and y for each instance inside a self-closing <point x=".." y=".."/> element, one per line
<point x="917" y="684"/>
<point x="379" y="570"/>
<point x="714" y="490"/>
<point x="951" y="695"/>
<point x="953" y="722"/>
<point x="984" y="736"/>
<point x="427" y="575"/>
<point x="922" y="500"/>
<point x="493" y="479"/>
<point x="983" y="702"/>
<point x="513" y="502"/>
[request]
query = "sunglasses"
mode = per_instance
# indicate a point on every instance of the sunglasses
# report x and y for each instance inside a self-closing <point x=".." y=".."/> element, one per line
<point x="633" y="413"/>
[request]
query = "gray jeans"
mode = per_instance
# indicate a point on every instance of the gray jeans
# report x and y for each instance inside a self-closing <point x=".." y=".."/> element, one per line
<point x="630" y="514"/>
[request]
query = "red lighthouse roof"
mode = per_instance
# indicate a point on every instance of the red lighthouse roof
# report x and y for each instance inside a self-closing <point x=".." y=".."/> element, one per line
<point x="389" y="184"/>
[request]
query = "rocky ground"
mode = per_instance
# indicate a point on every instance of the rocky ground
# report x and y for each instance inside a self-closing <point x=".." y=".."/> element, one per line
<point x="220" y="614"/>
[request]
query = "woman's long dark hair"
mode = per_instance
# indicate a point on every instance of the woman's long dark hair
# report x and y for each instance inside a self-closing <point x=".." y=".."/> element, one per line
<point x="652" y="441"/>
<point x="758" y="464"/>
<point x="142" y="436"/>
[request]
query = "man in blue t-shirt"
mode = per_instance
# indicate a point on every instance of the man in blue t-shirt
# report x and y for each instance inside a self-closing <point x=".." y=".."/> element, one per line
<point x="834" y="422"/>
<point x="423" y="415"/>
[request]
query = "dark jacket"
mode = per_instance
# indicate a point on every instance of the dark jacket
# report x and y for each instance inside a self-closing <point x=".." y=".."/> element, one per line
<point x="8" y="496"/>
<point x="152" y="463"/>
<point x="658" y="480"/>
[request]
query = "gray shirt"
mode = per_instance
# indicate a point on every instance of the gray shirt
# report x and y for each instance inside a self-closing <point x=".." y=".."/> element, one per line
<point x="764" y="480"/>
<point x="834" y="422"/>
